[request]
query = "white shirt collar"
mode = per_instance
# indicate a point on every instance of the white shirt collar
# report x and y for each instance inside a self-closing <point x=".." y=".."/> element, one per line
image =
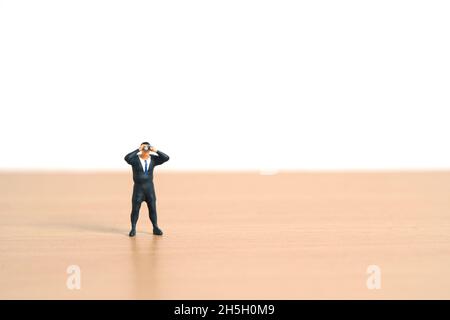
<point x="143" y="162"/>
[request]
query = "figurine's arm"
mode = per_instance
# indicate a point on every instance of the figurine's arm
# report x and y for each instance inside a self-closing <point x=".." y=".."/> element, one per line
<point x="161" y="158"/>
<point x="129" y="157"/>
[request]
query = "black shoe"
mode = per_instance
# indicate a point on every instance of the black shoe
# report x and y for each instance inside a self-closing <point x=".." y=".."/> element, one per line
<point x="157" y="231"/>
<point x="132" y="232"/>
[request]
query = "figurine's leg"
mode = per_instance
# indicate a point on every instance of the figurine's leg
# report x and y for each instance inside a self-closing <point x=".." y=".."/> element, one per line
<point x="151" y="203"/>
<point x="136" y="201"/>
<point x="136" y="206"/>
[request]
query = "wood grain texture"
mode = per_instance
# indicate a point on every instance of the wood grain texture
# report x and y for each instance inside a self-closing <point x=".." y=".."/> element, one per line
<point x="292" y="235"/>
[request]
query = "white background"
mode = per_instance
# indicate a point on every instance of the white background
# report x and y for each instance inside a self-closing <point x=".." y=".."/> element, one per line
<point x="225" y="84"/>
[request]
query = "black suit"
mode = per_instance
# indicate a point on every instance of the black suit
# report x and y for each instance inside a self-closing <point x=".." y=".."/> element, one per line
<point x="143" y="189"/>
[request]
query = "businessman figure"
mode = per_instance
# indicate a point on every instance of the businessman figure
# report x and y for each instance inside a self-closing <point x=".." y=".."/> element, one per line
<point x="143" y="164"/>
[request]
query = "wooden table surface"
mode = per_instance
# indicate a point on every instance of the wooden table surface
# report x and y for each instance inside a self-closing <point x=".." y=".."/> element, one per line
<point x="291" y="235"/>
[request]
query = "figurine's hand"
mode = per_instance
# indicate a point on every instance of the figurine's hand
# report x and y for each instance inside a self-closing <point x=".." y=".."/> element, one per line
<point x="140" y="147"/>
<point x="153" y="149"/>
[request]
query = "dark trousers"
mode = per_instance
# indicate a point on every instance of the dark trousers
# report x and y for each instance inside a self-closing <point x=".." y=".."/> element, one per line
<point x="141" y="194"/>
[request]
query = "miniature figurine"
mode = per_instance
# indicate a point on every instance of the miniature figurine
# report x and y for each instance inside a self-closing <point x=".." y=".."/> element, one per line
<point x="143" y="163"/>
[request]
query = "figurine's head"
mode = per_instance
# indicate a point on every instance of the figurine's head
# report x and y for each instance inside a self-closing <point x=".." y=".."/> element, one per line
<point x="145" y="147"/>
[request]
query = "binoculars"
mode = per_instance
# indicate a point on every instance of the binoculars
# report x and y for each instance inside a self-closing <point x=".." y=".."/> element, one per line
<point x="146" y="148"/>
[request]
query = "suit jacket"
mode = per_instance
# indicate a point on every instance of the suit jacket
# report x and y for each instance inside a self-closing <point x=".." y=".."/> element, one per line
<point x="139" y="177"/>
